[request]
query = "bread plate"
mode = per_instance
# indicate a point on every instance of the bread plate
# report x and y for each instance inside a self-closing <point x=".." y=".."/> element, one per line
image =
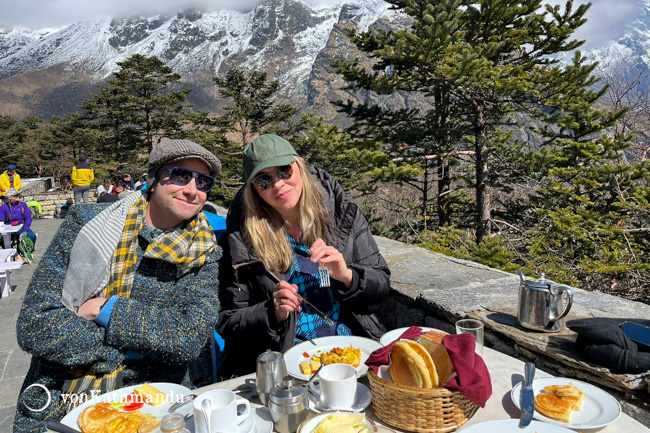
<point x="294" y="355"/>
<point x="394" y="334"/>
<point x="310" y="424"/>
<point x="512" y="426"/>
<point x="598" y="410"/>
<point x="172" y="391"/>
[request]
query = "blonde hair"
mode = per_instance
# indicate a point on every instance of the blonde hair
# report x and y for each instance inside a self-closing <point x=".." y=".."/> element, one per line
<point x="264" y="227"/>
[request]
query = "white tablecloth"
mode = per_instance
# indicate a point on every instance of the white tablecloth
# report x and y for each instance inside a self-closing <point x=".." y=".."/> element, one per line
<point x="505" y="371"/>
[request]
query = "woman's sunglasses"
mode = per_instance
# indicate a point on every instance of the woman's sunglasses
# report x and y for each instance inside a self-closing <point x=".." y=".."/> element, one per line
<point x="265" y="181"/>
<point x="182" y="176"/>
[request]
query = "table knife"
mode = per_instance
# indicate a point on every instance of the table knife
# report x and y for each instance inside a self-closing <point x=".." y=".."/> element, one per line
<point x="316" y="310"/>
<point x="527" y="399"/>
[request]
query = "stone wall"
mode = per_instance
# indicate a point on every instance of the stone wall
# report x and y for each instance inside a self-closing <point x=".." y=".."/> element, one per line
<point x="434" y="290"/>
<point x="49" y="201"/>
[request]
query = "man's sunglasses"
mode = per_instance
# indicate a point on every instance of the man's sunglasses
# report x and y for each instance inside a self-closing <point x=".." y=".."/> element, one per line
<point x="183" y="176"/>
<point x="265" y="180"/>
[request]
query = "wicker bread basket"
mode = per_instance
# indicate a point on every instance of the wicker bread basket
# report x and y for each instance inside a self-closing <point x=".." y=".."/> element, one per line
<point x="435" y="410"/>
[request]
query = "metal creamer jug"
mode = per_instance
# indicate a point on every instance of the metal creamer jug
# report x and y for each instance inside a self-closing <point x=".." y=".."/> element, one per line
<point x="542" y="304"/>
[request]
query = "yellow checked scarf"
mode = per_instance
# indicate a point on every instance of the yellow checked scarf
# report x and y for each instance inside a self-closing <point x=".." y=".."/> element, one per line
<point x="187" y="247"/>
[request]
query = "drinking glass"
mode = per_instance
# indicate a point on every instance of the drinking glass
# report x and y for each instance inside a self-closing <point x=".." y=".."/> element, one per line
<point x="474" y="327"/>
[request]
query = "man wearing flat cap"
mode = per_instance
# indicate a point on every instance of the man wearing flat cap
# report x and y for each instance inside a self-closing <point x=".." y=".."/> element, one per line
<point x="126" y="293"/>
<point x="10" y="179"/>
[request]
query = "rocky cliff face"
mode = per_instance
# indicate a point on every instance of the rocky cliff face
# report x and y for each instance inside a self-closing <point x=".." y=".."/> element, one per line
<point x="49" y="72"/>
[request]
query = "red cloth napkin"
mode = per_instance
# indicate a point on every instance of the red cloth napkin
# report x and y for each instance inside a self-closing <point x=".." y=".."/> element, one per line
<point x="472" y="376"/>
<point x="381" y="356"/>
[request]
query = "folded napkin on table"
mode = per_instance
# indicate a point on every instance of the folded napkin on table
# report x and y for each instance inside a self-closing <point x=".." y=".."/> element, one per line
<point x="472" y="378"/>
<point x="381" y="356"/>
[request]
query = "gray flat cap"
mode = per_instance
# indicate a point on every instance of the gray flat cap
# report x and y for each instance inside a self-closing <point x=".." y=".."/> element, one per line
<point x="175" y="150"/>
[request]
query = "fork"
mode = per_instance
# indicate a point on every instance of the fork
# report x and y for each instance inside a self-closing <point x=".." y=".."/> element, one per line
<point x="186" y="399"/>
<point x="324" y="276"/>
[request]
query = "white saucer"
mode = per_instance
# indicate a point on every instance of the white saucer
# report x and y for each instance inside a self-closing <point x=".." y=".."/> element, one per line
<point x="247" y="426"/>
<point x="364" y="396"/>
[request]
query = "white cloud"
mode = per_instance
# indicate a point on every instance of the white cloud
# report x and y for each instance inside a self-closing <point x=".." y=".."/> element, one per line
<point x="606" y="20"/>
<point x="36" y="14"/>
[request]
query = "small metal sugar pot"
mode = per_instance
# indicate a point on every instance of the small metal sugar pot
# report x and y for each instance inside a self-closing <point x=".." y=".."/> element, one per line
<point x="289" y="405"/>
<point x="542" y="304"/>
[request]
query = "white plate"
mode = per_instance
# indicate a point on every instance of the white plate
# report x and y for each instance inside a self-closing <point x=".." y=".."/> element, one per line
<point x="362" y="401"/>
<point x="173" y="393"/>
<point x="393" y="334"/>
<point x="512" y="426"/>
<point x="310" y="424"/>
<point x="598" y="409"/>
<point x="294" y="355"/>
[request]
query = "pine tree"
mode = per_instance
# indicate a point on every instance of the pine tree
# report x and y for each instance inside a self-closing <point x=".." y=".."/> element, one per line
<point x="138" y="108"/>
<point x="253" y="110"/>
<point x="590" y="225"/>
<point x="13" y="134"/>
<point x="475" y="62"/>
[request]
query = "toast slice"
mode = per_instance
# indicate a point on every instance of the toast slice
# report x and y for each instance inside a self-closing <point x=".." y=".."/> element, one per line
<point x="94" y="417"/>
<point x="102" y="418"/>
<point x="568" y="393"/>
<point x="553" y="407"/>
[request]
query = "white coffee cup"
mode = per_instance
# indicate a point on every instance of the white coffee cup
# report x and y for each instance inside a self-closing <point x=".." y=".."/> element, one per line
<point x="337" y="386"/>
<point x="223" y="414"/>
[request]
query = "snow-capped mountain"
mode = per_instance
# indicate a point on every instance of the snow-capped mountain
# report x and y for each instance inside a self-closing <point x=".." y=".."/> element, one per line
<point x="629" y="55"/>
<point x="51" y="71"/>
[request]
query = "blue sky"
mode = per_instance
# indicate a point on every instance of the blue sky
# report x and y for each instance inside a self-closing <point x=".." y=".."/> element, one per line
<point x="607" y="18"/>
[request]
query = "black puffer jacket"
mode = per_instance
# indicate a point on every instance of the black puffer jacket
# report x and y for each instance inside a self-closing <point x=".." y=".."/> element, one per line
<point x="247" y="319"/>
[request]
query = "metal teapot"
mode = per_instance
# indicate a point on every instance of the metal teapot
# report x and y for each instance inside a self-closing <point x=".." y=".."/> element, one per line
<point x="542" y="304"/>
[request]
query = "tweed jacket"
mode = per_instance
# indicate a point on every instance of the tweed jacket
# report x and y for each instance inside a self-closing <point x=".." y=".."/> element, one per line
<point x="247" y="320"/>
<point x="166" y="319"/>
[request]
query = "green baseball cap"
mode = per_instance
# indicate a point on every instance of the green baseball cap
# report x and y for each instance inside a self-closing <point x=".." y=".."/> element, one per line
<point x="268" y="150"/>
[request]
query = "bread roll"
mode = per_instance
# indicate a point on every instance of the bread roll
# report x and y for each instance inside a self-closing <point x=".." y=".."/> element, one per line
<point x="411" y="365"/>
<point x="432" y="342"/>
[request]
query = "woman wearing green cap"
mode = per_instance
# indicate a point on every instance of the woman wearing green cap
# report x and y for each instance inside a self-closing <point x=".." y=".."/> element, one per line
<point x="286" y="221"/>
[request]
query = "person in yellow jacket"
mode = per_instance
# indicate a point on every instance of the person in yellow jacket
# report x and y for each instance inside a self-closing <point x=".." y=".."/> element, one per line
<point x="9" y="179"/>
<point x="82" y="176"/>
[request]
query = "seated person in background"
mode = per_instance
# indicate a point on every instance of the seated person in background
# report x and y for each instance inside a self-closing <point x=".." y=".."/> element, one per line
<point x="107" y="197"/>
<point x="107" y="186"/>
<point x="120" y="191"/>
<point x="286" y="221"/>
<point x="142" y="183"/>
<point x="15" y="210"/>
<point x="144" y="309"/>
<point x="127" y="181"/>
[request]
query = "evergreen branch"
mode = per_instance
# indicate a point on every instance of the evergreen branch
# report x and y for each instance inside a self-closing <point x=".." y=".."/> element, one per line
<point x="435" y="156"/>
